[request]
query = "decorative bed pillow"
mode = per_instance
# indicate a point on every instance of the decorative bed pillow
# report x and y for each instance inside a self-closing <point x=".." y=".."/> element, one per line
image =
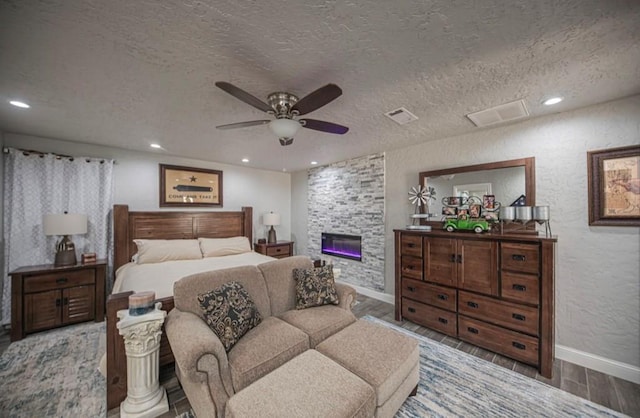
<point x="218" y="247"/>
<point x="230" y="312"/>
<point x="159" y="250"/>
<point x="315" y="287"/>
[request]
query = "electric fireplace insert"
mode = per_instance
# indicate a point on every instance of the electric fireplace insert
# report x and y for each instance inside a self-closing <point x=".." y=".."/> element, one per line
<point x="341" y="245"/>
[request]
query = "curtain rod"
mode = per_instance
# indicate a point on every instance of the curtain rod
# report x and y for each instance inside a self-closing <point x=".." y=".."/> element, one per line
<point x="42" y="154"/>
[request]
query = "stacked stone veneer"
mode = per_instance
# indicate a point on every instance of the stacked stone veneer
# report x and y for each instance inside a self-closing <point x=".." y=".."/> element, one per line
<point x="348" y="198"/>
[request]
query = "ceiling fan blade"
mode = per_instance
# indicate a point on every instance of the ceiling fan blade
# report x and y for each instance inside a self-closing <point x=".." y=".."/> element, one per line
<point x="244" y="96"/>
<point x="243" y="124"/>
<point x="320" y="125"/>
<point x="317" y="99"/>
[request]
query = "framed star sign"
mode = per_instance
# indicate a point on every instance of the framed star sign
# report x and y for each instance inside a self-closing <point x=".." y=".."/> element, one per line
<point x="187" y="186"/>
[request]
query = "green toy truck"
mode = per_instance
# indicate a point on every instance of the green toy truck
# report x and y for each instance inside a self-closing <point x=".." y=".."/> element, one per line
<point x="473" y="224"/>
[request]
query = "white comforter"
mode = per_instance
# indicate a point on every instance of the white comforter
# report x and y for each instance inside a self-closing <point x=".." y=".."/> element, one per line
<point x="159" y="277"/>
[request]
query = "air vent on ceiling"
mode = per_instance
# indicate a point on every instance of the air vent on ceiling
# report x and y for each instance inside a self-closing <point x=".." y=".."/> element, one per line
<point x="401" y="116"/>
<point x="500" y="114"/>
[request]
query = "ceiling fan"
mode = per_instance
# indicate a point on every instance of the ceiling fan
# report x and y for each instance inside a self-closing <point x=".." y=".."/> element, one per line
<point x="286" y="107"/>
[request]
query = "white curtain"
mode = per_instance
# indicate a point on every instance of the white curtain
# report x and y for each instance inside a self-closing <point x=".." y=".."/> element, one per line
<point x="36" y="185"/>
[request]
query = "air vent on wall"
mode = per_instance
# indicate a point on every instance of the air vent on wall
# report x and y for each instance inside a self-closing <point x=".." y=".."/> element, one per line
<point x="401" y="116"/>
<point x="500" y="114"/>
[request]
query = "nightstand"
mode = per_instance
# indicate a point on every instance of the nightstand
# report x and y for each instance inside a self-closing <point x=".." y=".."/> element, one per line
<point x="280" y="249"/>
<point x="45" y="296"/>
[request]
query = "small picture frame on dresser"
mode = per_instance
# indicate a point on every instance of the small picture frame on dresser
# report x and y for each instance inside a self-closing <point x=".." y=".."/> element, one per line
<point x="89" y="258"/>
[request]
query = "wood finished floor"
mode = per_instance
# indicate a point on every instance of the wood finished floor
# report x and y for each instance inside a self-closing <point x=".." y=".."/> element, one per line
<point x="612" y="392"/>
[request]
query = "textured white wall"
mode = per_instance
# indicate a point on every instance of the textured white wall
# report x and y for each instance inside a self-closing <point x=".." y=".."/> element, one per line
<point x="137" y="180"/>
<point x="598" y="268"/>
<point x="299" y="211"/>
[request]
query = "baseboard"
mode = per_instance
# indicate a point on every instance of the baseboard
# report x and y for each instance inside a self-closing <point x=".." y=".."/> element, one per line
<point x="385" y="297"/>
<point x="601" y="364"/>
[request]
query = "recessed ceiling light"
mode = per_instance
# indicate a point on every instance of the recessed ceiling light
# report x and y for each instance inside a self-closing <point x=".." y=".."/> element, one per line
<point x="552" y="101"/>
<point x="314" y="162"/>
<point x="18" y="103"/>
<point x="245" y="160"/>
<point x="158" y="146"/>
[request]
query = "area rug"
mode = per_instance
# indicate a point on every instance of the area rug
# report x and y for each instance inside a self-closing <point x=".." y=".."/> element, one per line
<point x="457" y="384"/>
<point x="54" y="374"/>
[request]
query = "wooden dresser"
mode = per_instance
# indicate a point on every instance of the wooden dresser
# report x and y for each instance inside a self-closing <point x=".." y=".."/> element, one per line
<point x="45" y="297"/>
<point x="494" y="291"/>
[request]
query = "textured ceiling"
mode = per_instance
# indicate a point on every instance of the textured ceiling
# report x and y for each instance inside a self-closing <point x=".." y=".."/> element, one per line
<point x="128" y="73"/>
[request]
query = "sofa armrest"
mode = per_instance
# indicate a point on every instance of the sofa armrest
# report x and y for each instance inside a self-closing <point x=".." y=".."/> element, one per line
<point x="347" y="296"/>
<point x="201" y="360"/>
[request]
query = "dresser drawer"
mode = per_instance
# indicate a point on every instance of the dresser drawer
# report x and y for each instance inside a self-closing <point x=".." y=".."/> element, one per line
<point x="411" y="267"/>
<point x="63" y="279"/>
<point x="278" y="251"/>
<point x="442" y="297"/>
<point x="510" y="343"/>
<point x="507" y="314"/>
<point x="411" y="245"/>
<point x="522" y="258"/>
<point x="430" y="317"/>
<point x="520" y="287"/>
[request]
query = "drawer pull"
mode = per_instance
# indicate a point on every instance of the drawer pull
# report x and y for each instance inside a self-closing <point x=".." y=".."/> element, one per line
<point x="460" y="258"/>
<point x="412" y="310"/>
<point x="519" y="346"/>
<point x="411" y="289"/>
<point x="61" y="280"/>
<point x="518" y="257"/>
<point x="65" y="301"/>
<point x="409" y="267"/>
<point x="518" y="317"/>
<point x="519" y="287"/>
<point x="278" y="249"/>
<point x="472" y="305"/>
<point x="57" y="302"/>
<point x="443" y="297"/>
<point x="452" y="258"/>
<point x="411" y="245"/>
<point x="443" y="320"/>
<point x="473" y="330"/>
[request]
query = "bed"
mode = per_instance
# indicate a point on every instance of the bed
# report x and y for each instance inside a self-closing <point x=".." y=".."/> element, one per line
<point x="129" y="225"/>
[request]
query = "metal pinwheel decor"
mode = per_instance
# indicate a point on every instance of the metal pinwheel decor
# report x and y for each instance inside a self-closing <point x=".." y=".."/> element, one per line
<point x="421" y="195"/>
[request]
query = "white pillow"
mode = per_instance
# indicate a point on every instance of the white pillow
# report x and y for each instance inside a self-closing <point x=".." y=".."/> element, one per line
<point x="217" y="247"/>
<point x="159" y="250"/>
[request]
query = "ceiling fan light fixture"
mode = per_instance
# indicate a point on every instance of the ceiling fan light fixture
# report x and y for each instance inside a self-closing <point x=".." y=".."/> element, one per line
<point x="284" y="128"/>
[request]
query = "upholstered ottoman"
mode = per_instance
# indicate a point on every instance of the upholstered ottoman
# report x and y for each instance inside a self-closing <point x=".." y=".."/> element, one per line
<point x="309" y="385"/>
<point x="386" y="359"/>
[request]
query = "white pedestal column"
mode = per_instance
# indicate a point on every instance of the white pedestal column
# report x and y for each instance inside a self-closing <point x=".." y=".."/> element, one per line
<point x="145" y="397"/>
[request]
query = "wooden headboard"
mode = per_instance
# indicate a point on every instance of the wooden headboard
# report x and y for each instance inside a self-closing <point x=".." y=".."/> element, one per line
<point x="128" y="226"/>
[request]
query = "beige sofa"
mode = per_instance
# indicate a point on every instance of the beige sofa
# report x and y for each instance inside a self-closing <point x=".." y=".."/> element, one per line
<point x="209" y="375"/>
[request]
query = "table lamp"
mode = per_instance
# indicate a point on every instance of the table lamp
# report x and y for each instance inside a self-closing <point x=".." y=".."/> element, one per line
<point x="271" y="219"/>
<point x="65" y="224"/>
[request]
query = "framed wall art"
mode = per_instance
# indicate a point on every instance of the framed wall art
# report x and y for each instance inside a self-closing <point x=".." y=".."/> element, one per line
<point x="187" y="186"/>
<point x="614" y="186"/>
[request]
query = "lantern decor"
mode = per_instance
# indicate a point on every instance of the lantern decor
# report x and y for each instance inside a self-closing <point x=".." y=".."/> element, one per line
<point x="420" y="196"/>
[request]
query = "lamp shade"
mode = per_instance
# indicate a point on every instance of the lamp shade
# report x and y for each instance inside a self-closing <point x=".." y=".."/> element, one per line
<point x="284" y="128"/>
<point x="65" y="224"/>
<point x="271" y="219"/>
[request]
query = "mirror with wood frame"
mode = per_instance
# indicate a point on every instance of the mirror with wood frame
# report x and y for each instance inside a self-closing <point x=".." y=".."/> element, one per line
<point x="509" y="181"/>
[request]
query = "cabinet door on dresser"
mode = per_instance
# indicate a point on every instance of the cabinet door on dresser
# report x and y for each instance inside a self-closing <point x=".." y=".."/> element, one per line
<point x="478" y="266"/>
<point x="440" y="261"/>
<point x="77" y="304"/>
<point x="42" y="310"/>
<point x="466" y="264"/>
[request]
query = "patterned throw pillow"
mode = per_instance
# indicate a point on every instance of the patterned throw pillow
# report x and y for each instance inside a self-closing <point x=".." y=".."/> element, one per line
<point x="315" y="287"/>
<point x="229" y="312"/>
